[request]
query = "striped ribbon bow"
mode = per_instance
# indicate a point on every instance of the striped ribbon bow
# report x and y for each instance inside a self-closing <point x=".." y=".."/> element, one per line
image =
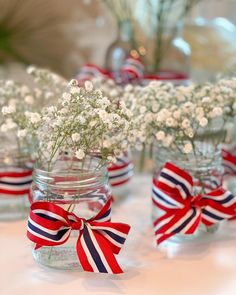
<point x="172" y="192"/>
<point x="15" y="181"/>
<point x="132" y="69"/>
<point x="98" y="240"/>
<point x="229" y="161"/>
<point x="120" y="172"/>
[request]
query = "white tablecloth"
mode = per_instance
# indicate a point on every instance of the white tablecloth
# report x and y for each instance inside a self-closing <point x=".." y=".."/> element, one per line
<point x="204" y="268"/>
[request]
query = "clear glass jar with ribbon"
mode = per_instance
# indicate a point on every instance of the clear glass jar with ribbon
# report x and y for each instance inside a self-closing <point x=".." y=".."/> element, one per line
<point x="69" y="220"/>
<point x="229" y="163"/>
<point x="188" y="199"/>
<point x="229" y="157"/>
<point x="15" y="179"/>
<point x="120" y="174"/>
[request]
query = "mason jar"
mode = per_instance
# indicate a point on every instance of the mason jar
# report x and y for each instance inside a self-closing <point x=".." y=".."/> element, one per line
<point x="120" y="175"/>
<point x="205" y="168"/>
<point x="229" y="164"/>
<point x="15" y="181"/>
<point x="78" y="187"/>
<point x="120" y="49"/>
<point x="229" y="157"/>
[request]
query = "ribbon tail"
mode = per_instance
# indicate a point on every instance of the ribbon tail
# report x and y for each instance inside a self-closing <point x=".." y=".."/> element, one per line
<point x="160" y="235"/>
<point x="95" y="253"/>
<point x="185" y="221"/>
<point x="115" y="233"/>
<point x="105" y="213"/>
<point x="215" y="213"/>
<point x="37" y="246"/>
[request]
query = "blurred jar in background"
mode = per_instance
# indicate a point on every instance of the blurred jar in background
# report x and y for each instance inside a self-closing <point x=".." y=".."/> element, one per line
<point x="15" y="178"/>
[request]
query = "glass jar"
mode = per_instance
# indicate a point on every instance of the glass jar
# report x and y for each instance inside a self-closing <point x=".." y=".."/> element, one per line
<point x="120" y="49"/>
<point x="78" y="187"/>
<point x="229" y="164"/>
<point x="173" y="55"/>
<point x="204" y="166"/>
<point x="166" y="55"/>
<point x="168" y="58"/>
<point x="16" y="167"/>
<point x="120" y="174"/>
<point x="208" y="35"/>
<point x="229" y="157"/>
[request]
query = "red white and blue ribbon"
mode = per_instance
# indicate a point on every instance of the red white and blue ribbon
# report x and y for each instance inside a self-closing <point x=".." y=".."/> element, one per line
<point x="132" y="69"/>
<point x="15" y="181"/>
<point x="91" y="71"/>
<point x="229" y="161"/>
<point x="176" y="78"/>
<point x="173" y="193"/>
<point x="98" y="241"/>
<point x="121" y="172"/>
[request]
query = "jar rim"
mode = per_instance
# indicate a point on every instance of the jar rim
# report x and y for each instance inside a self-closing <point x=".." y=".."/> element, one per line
<point x="81" y="176"/>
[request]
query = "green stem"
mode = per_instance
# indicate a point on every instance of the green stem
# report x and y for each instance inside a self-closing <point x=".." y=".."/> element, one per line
<point x="142" y="158"/>
<point x="159" y="37"/>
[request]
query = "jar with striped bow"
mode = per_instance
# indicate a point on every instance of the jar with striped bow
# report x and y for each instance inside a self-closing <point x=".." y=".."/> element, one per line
<point x="67" y="202"/>
<point x="15" y="180"/>
<point x="229" y="164"/>
<point x="229" y="157"/>
<point x="188" y="199"/>
<point x="120" y="174"/>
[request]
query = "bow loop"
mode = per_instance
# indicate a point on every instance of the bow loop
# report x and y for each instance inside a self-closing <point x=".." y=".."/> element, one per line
<point x="229" y="161"/>
<point x="175" y="180"/>
<point x="98" y="241"/>
<point x="172" y="192"/>
<point x="196" y="201"/>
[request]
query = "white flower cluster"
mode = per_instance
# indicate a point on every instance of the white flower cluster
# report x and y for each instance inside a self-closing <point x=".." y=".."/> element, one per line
<point x="20" y="103"/>
<point x="108" y="87"/>
<point x="224" y="93"/>
<point x="83" y="122"/>
<point x="143" y="106"/>
<point x="174" y="117"/>
<point x="107" y="119"/>
<point x="15" y="100"/>
<point x="47" y="86"/>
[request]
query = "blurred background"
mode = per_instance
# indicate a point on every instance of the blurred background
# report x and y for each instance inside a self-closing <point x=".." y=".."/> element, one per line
<point x="63" y="35"/>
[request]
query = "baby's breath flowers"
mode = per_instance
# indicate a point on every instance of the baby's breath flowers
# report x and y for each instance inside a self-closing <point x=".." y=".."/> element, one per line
<point x="188" y="113"/>
<point x="224" y="94"/>
<point x="15" y="100"/>
<point x="176" y="117"/>
<point x="148" y="104"/>
<point x="109" y="87"/>
<point x="46" y="86"/>
<point x="20" y="103"/>
<point x="84" y="122"/>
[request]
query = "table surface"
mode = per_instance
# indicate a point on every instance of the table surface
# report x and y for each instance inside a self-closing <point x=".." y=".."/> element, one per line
<point x="201" y="268"/>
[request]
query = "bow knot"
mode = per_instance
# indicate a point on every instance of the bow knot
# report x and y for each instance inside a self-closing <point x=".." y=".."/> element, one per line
<point x="78" y="225"/>
<point x="195" y="201"/>
<point x="98" y="240"/>
<point x="172" y="193"/>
